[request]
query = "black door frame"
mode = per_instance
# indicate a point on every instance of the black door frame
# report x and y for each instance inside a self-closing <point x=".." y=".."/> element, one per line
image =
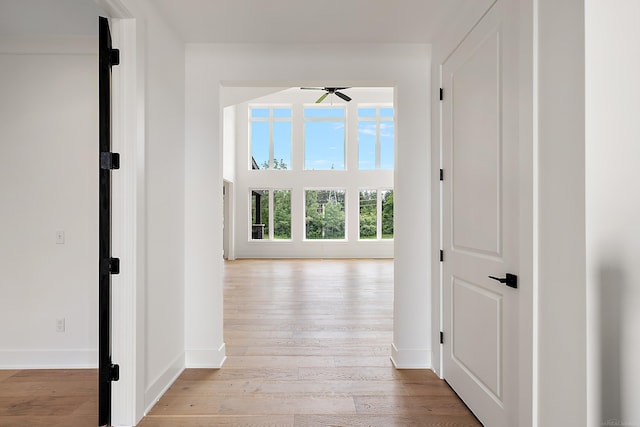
<point x="107" y="371"/>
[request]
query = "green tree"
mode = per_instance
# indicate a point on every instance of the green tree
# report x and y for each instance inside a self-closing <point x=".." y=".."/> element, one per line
<point x="368" y="214"/>
<point x="282" y="214"/>
<point x="324" y="214"/>
<point x="387" y="214"/>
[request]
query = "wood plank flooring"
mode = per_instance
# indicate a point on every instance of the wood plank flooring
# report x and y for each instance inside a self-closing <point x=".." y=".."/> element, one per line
<point x="308" y="344"/>
<point x="52" y="398"/>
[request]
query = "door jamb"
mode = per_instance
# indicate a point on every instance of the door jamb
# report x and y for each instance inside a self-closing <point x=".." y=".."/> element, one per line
<point x="129" y="233"/>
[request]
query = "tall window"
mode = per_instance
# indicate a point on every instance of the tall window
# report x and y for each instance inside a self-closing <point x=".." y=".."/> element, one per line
<point x="270" y="129"/>
<point x="324" y="214"/>
<point x="375" y="138"/>
<point x="324" y="138"/>
<point x="376" y="214"/>
<point x="270" y="214"/>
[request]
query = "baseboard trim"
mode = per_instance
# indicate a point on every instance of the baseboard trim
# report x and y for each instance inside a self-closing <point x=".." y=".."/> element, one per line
<point x="155" y="391"/>
<point x="410" y="358"/>
<point x="49" y="359"/>
<point x="206" y="358"/>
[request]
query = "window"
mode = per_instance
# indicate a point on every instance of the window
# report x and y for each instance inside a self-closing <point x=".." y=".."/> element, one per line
<point x="386" y="202"/>
<point x="270" y="136"/>
<point x="324" y="214"/>
<point x="375" y="138"/>
<point x="376" y="214"/>
<point x="282" y="214"/>
<point x="324" y="138"/>
<point x="270" y="214"/>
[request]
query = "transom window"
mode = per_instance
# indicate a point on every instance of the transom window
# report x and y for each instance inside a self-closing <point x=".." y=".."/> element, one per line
<point x="270" y="136"/>
<point x="375" y="137"/>
<point x="324" y="138"/>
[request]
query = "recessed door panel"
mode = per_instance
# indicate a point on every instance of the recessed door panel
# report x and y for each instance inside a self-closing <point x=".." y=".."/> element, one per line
<point x="476" y="166"/>
<point x="477" y="334"/>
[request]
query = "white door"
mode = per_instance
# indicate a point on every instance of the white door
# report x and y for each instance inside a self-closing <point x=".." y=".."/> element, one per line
<point x="480" y="157"/>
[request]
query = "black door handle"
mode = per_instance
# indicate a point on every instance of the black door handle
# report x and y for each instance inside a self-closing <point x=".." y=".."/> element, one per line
<point x="511" y="280"/>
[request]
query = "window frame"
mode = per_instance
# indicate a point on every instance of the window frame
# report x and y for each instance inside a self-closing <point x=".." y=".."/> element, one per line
<point x="343" y="120"/>
<point x="379" y="234"/>
<point x="345" y="210"/>
<point x="377" y="119"/>
<point x="271" y="208"/>
<point x="271" y="119"/>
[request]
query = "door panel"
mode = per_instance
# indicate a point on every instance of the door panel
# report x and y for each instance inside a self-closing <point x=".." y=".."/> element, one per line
<point x="480" y="151"/>
<point x="475" y="162"/>
<point x="477" y="343"/>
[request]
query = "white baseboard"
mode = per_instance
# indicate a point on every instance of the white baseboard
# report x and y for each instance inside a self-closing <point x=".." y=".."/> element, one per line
<point x="49" y="359"/>
<point x="206" y="358"/>
<point x="410" y="358"/>
<point x="155" y="391"/>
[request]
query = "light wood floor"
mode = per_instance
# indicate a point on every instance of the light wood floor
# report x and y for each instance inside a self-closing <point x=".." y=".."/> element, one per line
<point x="308" y="344"/>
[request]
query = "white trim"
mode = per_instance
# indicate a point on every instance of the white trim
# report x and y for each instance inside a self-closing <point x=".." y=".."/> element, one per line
<point x="411" y="358"/>
<point x="163" y="382"/>
<point x="84" y="358"/>
<point x="206" y="358"/>
<point x="128" y="317"/>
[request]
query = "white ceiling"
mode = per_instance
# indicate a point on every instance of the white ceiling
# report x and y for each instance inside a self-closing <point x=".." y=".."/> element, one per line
<point x="250" y="21"/>
<point x="307" y="21"/>
<point x="48" y="18"/>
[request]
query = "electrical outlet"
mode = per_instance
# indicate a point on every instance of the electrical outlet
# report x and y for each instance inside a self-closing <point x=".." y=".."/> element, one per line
<point x="60" y="237"/>
<point x="61" y="325"/>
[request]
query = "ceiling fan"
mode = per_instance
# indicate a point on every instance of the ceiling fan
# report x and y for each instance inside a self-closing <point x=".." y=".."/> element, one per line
<point x="329" y="90"/>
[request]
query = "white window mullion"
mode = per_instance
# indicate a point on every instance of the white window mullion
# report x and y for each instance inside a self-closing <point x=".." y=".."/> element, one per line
<point x="378" y="150"/>
<point x="378" y="214"/>
<point x="271" y="143"/>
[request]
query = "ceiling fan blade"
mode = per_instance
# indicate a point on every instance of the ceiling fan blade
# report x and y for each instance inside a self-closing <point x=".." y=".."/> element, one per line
<point x="311" y="88"/>
<point x="343" y="96"/>
<point x="322" y="98"/>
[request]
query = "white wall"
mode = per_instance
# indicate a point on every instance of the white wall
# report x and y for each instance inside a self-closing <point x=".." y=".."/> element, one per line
<point x="404" y="66"/>
<point x="48" y="182"/>
<point x="297" y="180"/>
<point x="229" y="144"/>
<point x="561" y="293"/>
<point x="613" y="210"/>
<point x="161" y="60"/>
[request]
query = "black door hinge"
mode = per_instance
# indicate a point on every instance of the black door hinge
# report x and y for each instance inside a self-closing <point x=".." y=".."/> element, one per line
<point x="441" y="174"/>
<point x="114" y="59"/>
<point x="441" y="255"/>
<point x="441" y="337"/>
<point x="441" y="94"/>
<point x="114" y="265"/>
<point x="114" y="372"/>
<point x="109" y="161"/>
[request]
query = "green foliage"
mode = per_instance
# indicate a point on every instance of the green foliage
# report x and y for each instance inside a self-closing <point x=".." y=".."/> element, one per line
<point x="387" y="214"/>
<point x="368" y="214"/>
<point x="282" y="214"/>
<point x="277" y="164"/>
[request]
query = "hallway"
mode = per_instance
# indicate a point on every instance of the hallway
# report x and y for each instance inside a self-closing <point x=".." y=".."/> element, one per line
<point x="308" y="344"/>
